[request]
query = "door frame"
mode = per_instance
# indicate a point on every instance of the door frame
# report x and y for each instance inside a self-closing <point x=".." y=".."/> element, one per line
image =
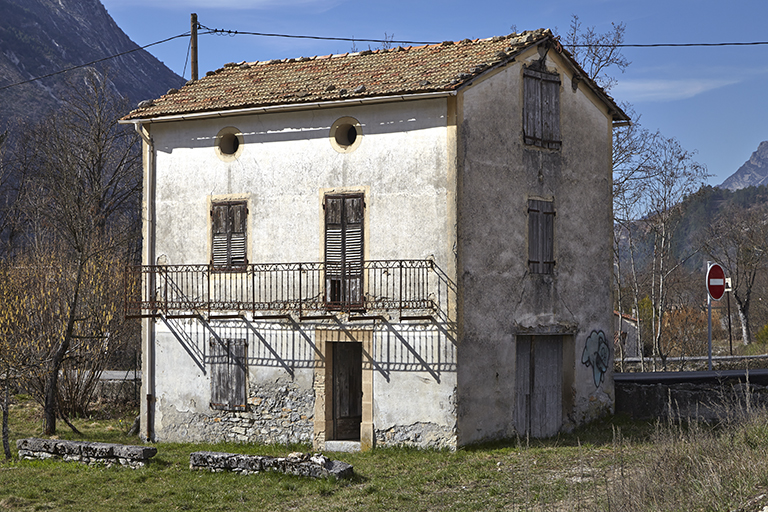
<point x="323" y="384"/>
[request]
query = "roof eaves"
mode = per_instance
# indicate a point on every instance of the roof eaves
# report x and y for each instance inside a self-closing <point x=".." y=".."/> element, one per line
<point x="283" y="107"/>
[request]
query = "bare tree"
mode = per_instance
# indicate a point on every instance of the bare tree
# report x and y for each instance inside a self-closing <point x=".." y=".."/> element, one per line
<point x="738" y="240"/>
<point x="632" y="157"/>
<point x="673" y="176"/>
<point x="80" y="210"/>
<point x="595" y="52"/>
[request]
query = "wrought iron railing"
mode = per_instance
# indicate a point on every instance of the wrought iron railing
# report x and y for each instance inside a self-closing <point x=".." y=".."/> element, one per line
<point x="265" y="289"/>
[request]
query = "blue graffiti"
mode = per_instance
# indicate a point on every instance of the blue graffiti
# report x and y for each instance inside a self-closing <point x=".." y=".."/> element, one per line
<point x="596" y="354"/>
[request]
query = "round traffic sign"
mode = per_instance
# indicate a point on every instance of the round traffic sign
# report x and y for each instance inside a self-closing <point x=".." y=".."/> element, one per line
<point x="715" y="281"/>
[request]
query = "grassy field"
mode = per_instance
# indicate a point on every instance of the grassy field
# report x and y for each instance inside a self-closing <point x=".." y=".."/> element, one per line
<point x="615" y="464"/>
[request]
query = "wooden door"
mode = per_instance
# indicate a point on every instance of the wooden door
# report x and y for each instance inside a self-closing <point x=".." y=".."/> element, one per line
<point x="347" y="390"/>
<point x="539" y="385"/>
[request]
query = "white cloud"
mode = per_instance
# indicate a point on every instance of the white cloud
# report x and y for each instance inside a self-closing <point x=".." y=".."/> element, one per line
<point x="666" y="90"/>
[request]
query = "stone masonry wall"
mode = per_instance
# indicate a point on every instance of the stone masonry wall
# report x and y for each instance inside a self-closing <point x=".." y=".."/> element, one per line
<point x="420" y="435"/>
<point x="86" y="452"/>
<point x="279" y="413"/>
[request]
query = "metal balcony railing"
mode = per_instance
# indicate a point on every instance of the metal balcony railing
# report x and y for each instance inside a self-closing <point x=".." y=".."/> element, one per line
<point x="266" y="289"/>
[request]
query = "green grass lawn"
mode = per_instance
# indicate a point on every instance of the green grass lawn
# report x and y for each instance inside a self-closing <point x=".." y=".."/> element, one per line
<point x="614" y="464"/>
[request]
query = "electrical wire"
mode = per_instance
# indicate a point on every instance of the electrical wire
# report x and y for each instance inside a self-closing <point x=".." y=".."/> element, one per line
<point x="666" y="45"/>
<point x="218" y="31"/>
<point x="92" y="62"/>
<point x="186" y="60"/>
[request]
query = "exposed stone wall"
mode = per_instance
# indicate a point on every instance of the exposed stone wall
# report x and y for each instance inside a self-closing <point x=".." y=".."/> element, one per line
<point x="421" y="435"/>
<point x="299" y="464"/>
<point x="86" y="452"/>
<point x="279" y="413"/>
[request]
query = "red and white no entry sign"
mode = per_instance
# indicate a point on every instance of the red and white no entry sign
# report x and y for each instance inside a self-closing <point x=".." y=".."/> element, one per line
<point x="715" y="281"/>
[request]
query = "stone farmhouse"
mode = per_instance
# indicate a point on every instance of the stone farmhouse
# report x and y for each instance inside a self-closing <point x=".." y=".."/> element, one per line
<point x="402" y="246"/>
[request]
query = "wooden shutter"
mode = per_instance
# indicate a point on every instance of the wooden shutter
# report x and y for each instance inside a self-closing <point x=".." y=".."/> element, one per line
<point x="228" y="374"/>
<point x="237" y="242"/>
<point x="550" y="110"/>
<point x="541" y="231"/>
<point x="220" y="243"/>
<point x="541" y="108"/>
<point x="229" y="227"/>
<point x="353" y="249"/>
<point x="344" y="216"/>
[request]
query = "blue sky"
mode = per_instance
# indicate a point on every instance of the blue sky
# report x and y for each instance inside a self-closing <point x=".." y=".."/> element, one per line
<point x="711" y="99"/>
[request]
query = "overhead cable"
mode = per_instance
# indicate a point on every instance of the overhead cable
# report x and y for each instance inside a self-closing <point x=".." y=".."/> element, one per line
<point x="217" y="31"/>
<point x="93" y="62"/>
<point x="220" y="31"/>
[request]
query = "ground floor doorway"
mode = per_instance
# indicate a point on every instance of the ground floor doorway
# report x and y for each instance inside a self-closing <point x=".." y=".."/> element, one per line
<point x="539" y="385"/>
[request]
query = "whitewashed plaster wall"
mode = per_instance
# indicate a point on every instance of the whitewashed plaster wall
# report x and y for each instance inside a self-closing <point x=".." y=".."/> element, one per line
<point x="287" y="163"/>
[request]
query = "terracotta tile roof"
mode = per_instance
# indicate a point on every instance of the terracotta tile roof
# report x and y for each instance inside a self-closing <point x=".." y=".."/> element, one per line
<point x="420" y="69"/>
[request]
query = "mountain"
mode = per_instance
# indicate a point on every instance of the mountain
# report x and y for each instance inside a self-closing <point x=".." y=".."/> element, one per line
<point x="38" y="37"/>
<point x="695" y="213"/>
<point x="754" y="172"/>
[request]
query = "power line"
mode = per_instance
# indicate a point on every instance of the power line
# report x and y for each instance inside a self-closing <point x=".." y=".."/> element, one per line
<point x="363" y="40"/>
<point x="220" y="31"/>
<point x="92" y="62"/>
<point x="666" y="45"/>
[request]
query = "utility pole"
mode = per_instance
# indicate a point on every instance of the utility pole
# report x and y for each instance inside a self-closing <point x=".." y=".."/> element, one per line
<point x="193" y="46"/>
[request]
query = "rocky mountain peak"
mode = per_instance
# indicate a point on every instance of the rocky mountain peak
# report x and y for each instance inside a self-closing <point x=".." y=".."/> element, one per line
<point x="38" y="37"/>
<point x="754" y="172"/>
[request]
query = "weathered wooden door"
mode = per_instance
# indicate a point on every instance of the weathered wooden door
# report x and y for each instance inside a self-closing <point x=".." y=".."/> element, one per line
<point x="539" y="385"/>
<point x="347" y="390"/>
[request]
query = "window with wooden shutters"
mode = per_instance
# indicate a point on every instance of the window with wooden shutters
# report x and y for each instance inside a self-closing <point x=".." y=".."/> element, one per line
<point x="229" y="225"/>
<point x="344" y="250"/>
<point x="541" y="108"/>
<point x="541" y="236"/>
<point x="228" y="373"/>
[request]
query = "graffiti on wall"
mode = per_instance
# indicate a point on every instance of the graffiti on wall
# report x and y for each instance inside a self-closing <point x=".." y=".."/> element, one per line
<point x="596" y="354"/>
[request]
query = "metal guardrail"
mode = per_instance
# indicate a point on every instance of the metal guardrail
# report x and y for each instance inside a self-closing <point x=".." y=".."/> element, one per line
<point x="279" y="288"/>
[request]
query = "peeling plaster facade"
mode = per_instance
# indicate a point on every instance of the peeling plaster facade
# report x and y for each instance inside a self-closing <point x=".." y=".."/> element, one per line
<point x="445" y="178"/>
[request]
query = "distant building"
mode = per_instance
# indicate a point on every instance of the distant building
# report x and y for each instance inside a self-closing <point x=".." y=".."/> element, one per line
<point x="406" y="246"/>
<point x="625" y="335"/>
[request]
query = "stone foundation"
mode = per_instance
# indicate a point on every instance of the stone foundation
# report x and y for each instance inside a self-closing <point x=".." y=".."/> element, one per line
<point x="85" y="452"/>
<point x="279" y="413"/>
<point x="299" y="464"/>
<point x="420" y="435"/>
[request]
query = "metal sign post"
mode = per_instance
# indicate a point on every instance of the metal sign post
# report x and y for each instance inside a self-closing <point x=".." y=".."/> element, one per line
<point x="715" y="283"/>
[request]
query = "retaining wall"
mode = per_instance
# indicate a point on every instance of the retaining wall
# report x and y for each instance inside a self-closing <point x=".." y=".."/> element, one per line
<point x="85" y="452"/>
<point x="705" y="395"/>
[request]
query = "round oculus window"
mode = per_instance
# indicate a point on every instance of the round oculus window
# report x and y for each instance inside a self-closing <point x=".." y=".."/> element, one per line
<point x="346" y="134"/>
<point x="229" y="143"/>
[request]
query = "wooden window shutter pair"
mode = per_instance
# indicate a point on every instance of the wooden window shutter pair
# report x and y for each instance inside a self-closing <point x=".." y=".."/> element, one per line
<point x="541" y="108"/>
<point x="229" y="374"/>
<point x="344" y="215"/>
<point x="541" y="236"/>
<point x="229" y="227"/>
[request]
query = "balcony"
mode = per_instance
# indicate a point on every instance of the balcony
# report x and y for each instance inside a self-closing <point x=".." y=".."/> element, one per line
<point x="306" y="290"/>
